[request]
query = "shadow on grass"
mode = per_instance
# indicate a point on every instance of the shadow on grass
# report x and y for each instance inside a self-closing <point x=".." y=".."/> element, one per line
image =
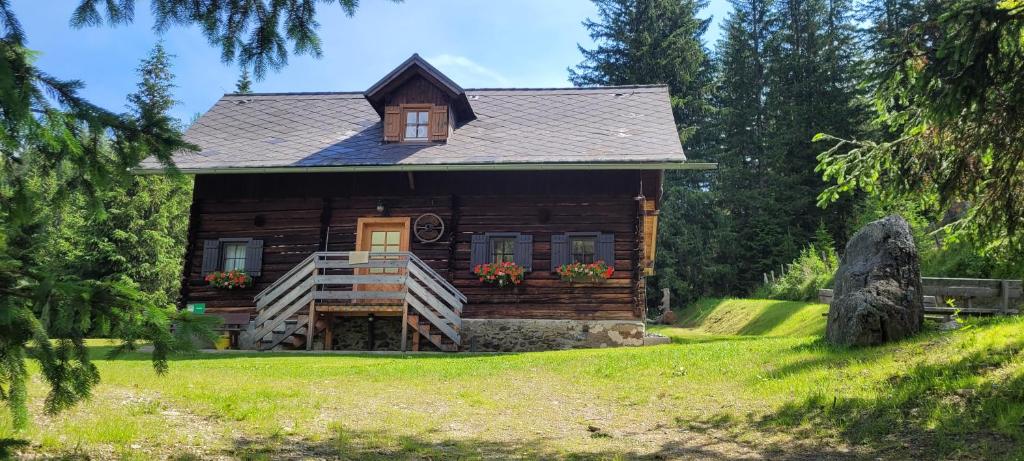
<point x="377" y="445"/>
<point x="102" y="352"/>
<point x="971" y="406"/>
<point x="773" y="315"/>
<point x="770" y="315"/>
<point x="9" y="446"/>
<point x="707" y="339"/>
<point x="830" y="356"/>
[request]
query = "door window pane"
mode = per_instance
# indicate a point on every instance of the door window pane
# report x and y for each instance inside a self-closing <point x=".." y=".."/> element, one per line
<point x="385" y="242"/>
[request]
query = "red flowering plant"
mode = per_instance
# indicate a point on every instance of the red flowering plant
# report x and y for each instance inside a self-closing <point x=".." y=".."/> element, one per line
<point x="596" y="271"/>
<point x="229" y="280"/>
<point x="503" y="274"/>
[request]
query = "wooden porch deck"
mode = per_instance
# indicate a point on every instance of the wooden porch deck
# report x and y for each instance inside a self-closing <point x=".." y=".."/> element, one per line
<point x="301" y="303"/>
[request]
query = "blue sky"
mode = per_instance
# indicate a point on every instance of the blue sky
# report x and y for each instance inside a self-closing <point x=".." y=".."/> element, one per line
<point x="478" y="43"/>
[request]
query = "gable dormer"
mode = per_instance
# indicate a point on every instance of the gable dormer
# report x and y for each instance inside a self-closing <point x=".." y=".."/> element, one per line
<point x="417" y="103"/>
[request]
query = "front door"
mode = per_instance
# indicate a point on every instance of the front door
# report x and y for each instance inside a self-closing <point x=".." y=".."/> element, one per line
<point x="382" y="235"/>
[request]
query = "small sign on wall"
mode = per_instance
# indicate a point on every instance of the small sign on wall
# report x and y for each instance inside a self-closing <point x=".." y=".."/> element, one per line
<point x="196" y="308"/>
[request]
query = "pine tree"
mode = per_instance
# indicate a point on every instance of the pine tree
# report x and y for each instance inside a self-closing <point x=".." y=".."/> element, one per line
<point x="141" y="235"/>
<point x="57" y="148"/>
<point x="744" y="185"/>
<point x="813" y="77"/>
<point x="651" y="42"/>
<point x="244" y="85"/>
<point x="67" y="155"/>
<point x="946" y="85"/>
<point x="787" y="68"/>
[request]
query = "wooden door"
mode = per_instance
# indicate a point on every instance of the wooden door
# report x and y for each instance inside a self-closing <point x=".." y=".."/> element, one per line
<point x="382" y="235"/>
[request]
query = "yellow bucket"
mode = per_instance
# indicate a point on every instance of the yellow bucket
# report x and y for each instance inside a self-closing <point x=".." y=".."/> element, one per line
<point x="222" y="343"/>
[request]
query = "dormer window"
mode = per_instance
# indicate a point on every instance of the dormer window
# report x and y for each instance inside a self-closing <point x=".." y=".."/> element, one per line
<point x="418" y="104"/>
<point x="417" y="124"/>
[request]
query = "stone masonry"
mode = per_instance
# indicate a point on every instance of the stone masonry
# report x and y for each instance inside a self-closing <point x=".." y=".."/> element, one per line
<point x="520" y="335"/>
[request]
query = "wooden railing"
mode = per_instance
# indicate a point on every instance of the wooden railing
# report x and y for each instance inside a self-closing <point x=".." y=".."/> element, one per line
<point x="968" y="296"/>
<point x="288" y="306"/>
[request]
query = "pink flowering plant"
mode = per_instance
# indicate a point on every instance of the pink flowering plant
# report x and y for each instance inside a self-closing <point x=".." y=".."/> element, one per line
<point x="503" y="274"/>
<point x="229" y="280"/>
<point x="596" y="271"/>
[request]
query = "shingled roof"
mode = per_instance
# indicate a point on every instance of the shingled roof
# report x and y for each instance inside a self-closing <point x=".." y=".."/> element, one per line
<point x="608" y="127"/>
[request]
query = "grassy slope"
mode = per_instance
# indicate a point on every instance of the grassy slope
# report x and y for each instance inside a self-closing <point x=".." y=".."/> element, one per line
<point x="939" y="395"/>
<point x="764" y="317"/>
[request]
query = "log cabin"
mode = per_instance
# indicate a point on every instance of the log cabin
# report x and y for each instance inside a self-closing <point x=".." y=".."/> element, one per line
<point x="362" y="219"/>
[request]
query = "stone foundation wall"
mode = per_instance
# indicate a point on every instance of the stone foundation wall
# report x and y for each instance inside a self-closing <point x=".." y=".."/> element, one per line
<point x="352" y="334"/>
<point x="520" y="335"/>
<point x="495" y="335"/>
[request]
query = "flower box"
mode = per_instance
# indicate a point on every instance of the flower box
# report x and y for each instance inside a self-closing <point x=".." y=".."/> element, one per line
<point x="229" y="280"/>
<point x="593" y="272"/>
<point x="503" y="274"/>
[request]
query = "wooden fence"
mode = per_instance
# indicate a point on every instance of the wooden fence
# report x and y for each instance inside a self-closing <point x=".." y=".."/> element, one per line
<point x="968" y="296"/>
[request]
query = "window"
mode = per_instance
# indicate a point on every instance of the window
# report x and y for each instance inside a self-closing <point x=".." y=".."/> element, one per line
<point x="227" y="254"/>
<point x="503" y="249"/>
<point x="499" y="247"/>
<point x="582" y="249"/>
<point x="417" y="125"/>
<point x="385" y="242"/>
<point x="234" y="256"/>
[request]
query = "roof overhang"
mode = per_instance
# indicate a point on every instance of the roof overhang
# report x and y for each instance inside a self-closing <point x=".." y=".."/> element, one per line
<point x="413" y="66"/>
<point x="442" y="167"/>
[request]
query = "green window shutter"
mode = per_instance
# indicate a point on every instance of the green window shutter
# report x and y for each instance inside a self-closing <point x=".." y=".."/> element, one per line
<point x="524" y="251"/>
<point x="559" y="251"/>
<point x="211" y="256"/>
<point x="478" y="252"/>
<point x="254" y="257"/>
<point x="604" y="250"/>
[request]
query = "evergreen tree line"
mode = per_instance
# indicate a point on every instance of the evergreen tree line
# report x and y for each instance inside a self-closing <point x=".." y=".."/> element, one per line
<point x="783" y="72"/>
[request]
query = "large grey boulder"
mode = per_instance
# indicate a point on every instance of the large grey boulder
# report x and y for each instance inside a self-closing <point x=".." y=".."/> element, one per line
<point x="877" y="295"/>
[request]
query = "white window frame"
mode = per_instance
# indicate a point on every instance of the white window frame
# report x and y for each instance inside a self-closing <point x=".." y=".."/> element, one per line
<point x="224" y="257"/>
<point x="575" y="238"/>
<point x="424" y="123"/>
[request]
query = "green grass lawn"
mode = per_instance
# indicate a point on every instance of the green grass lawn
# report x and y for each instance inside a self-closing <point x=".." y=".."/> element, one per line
<point x="744" y="379"/>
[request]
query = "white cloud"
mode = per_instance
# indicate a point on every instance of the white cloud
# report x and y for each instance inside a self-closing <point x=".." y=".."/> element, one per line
<point x="468" y="73"/>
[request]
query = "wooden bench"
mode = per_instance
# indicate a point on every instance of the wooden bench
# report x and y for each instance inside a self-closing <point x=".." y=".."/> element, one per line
<point x="969" y="296"/>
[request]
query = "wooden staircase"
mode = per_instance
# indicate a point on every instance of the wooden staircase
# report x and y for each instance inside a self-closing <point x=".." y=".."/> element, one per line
<point x="432" y="307"/>
<point x="421" y="328"/>
<point x="291" y="334"/>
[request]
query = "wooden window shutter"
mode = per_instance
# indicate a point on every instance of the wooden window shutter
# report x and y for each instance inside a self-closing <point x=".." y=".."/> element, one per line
<point x="559" y="251"/>
<point x="254" y="257"/>
<point x="392" y="124"/>
<point x="604" y="250"/>
<point x="439" y="123"/>
<point x="524" y="252"/>
<point x="478" y="252"/>
<point x="211" y="256"/>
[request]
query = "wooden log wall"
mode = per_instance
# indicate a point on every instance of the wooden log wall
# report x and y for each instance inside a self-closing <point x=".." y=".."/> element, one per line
<point x="346" y="211"/>
<point x="289" y="228"/>
<point x="543" y="294"/>
<point x="297" y="214"/>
